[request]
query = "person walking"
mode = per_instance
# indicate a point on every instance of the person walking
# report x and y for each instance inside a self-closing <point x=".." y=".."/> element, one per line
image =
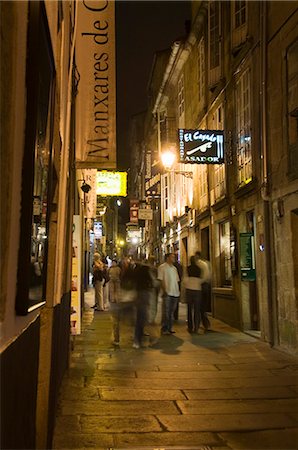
<point x="105" y="287"/>
<point x="144" y="287"/>
<point x="169" y="278"/>
<point x="98" y="280"/>
<point x="193" y="294"/>
<point x="205" y="267"/>
<point x="127" y="295"/>
<point x="180" y="273"/>
<point x="151" y="325"/>
<point x="114" y="292"/>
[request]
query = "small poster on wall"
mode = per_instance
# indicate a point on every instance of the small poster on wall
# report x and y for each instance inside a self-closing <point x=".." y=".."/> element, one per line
<point x="247" y="257"/>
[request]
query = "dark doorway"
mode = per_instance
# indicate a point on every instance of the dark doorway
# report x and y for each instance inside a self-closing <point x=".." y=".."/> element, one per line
<point x="184" y="252"/>
<point x="205" y="249"/>
<point x="253" y="292"/>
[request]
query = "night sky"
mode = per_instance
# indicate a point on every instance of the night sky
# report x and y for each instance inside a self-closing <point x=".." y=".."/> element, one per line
<point x="142" y="28"/>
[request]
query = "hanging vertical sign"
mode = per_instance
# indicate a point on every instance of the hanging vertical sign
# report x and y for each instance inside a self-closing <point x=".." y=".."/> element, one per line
<point x="201" y="146"/>
<point x="134" y="211"/>
<point x="90" y="197"/>
<point x="75" y="314"/>
<point x="96" y="96"/>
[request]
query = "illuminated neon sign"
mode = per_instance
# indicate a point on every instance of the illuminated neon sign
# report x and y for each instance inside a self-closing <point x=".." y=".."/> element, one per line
<point x="201" y="146"/>
<point x="110" y="183"/>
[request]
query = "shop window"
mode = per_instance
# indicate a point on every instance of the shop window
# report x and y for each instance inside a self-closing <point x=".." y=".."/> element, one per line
<point x="203" y="186"/>
<point x="225" y="254"/>
<point x="36" y="192"/>
<point x="243" y="129"/>
<point x="219" y="173"/>
<point x="214" y="41"/>
<point x="239" y="22"/>
<point x="292" y="108"/>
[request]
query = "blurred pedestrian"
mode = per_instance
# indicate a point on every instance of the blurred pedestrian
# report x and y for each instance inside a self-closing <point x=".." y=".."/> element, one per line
<point x="98" y="281"/>
<point x="205" y="267"/>
<point x="169" y="278"/>
<point x="144" y="287"/>
<point x="151" y="325"/>
<point x="180" y="273"/>
<point x="127" y="295"/>
<point x="193" y="293"/>
<point x="106" y="284"/>
<point x="114" y="297"/>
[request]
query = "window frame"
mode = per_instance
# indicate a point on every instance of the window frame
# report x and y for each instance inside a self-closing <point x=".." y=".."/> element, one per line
<point x="203" y="186"/>
<point x="219" y="170"/>
<point x="38" y="34"/>
<point x="214" y="42"/>
<point x="292" y="118"/>
<point x="239" y="32"/>
<point x="243" y="129"/>
<point x="201" y="71"/>
<point x="225" y="257"/>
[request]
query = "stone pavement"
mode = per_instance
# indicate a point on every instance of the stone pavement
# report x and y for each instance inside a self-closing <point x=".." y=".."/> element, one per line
<point x="219" y="390"/>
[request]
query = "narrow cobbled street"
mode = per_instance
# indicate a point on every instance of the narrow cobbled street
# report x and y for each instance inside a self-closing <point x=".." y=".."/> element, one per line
<point x="220" y="390"/>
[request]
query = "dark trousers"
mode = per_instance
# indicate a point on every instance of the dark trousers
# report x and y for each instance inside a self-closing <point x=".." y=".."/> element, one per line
<point x="206" y="304"/>
<point x="141" y="316"/>
<point x="176" y="312"/>
<point x="193" y="299"/>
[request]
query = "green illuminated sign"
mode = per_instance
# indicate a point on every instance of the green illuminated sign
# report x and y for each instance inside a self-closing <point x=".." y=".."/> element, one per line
<point x="247" y="257"/>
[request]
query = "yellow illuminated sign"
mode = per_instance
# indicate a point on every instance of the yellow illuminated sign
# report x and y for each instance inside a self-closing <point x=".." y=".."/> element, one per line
<point x="111" y="183"/>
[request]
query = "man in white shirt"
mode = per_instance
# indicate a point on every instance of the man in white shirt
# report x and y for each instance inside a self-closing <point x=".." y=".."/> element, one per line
<point x="168" y="275"/>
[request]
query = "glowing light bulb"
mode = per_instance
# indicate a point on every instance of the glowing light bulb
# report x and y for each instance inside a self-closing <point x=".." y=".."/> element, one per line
<point x="168" y="158"/>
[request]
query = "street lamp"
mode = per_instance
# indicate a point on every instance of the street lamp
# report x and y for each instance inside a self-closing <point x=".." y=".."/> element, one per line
<point x="168" y="159"/>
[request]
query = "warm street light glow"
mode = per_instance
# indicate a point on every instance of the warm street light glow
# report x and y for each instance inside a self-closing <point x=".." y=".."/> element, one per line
<point x="168" y="158"/>
<point x="121" y="243"/>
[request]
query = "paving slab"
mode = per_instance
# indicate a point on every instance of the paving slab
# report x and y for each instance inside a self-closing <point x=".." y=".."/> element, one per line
<point x="74" y="382"/>
<point x="195" y="367"/>
<point x="68" y="423"/>
<point x="99" y="441"/>
<point x="189" y="392"/>
<point x="241" y="393"/>
<point x="140" y="394"/>
<point x="81" y="393"/>
<point x="239" y="406"/>
<point x="268" y="365"/>
<point x="119" y="408"/>
<point x="112" y="367"/>
<point x="193" y="383"/>
<point x="203" y="374"/>
<point x="165" y="438"/>
<point x="119" y="424"/>
<point x="260" y="440"/>
<point x="128" y="373"/>
<point x="227" y="422"/>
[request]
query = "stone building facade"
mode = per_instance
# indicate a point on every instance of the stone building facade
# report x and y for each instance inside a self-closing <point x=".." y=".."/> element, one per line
<point x="39" y="196"/>
<point x="236" y="71"/>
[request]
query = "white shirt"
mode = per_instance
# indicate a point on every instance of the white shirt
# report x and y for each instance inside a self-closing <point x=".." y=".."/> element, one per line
<point x="169" y="275"/>
<point x="204" y="265"/>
